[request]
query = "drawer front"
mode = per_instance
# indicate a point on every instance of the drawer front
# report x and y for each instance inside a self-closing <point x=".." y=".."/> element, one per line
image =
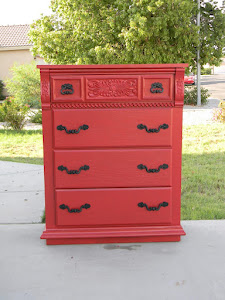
<point x="158" y="87"/>
<point x="69" y="88"/>
<point x="113" y="206"/>
<point x="108" y="128"/>
<point x="113" y="168"/>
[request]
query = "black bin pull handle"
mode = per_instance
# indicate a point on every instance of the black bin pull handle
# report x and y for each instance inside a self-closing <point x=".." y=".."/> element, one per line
<point x="150" y="208"/>
<point x="75" y="210"/>
<point x="143" y="167"/>
<point x="152" y="130"/>
<point x="76" y="131"/>
<point x="84" y="168"/>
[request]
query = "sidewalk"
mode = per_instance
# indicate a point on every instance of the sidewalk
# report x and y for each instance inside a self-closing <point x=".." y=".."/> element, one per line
<point x="194" y="115"/>
<point x="192" y="269"/>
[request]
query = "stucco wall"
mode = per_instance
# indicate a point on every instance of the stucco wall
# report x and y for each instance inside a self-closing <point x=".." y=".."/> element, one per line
<point x="9" y="57"/>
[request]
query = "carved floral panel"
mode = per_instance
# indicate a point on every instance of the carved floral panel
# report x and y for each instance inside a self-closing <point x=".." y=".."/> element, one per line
<point x="112" y="88"/>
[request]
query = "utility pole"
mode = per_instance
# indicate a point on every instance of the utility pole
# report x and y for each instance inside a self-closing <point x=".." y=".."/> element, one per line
<point x="198" y="61"/>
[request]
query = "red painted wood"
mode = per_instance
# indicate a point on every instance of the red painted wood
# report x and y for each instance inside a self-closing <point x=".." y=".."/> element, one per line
<point x="117" y="240"/>
<point x="104" y="88"/>
<point x="112" y="127"/>
<point x="120" y="68"/>
<point x="58" y="81"/>
<point x="167" y="82"/>
<point x="116" y="234"/>
<point x="112" y="147"/>
<point x="112" y="168"/>
<point x="113" y="206"/>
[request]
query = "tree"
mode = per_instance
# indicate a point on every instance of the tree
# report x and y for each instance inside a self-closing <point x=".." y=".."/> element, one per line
<point x="128" y="31"/>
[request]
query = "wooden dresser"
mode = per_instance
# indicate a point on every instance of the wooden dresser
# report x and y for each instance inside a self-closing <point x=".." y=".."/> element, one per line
<point x="112" y="152"/>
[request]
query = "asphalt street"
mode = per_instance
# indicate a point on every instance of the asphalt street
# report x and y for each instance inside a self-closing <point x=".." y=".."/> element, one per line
<point x="215" y="84"/>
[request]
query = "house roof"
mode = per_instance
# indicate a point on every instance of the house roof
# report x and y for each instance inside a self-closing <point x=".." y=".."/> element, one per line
<point x="14" y="36"/>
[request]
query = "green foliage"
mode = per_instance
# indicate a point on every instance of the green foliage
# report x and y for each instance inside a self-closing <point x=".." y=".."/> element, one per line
<point x="36" y="117"/>
<point x="25" y="84"/>
<point x="206" y="71"/>
<point x="190" y="95"/>
<point x="222" y="110"/>
<point x="14" y="113"/>
<point x="217" y="115"/>
<point x="1" y="90"/>
<point x="128" y="31"/>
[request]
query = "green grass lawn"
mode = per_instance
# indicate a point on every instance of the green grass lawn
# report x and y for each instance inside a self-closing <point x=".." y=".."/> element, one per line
<point x="203" y="167"/>
<point x="203" y="172"/>
<point x="23" y="146"/>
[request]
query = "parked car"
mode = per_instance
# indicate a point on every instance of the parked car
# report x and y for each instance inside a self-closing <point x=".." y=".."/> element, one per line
<point x="189" y="79"/>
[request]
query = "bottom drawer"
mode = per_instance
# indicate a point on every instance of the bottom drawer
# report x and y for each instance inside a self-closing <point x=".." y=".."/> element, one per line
<point x="113" y="206"/>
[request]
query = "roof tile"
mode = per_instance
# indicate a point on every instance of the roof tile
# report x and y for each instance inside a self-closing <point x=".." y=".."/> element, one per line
<point x="14" y="36"/>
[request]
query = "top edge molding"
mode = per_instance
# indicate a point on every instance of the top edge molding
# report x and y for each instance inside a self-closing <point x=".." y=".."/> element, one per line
<point x="125" y="66"/>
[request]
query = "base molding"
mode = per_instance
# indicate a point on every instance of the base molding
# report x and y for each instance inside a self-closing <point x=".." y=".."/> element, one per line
<point x="104" y="235"/>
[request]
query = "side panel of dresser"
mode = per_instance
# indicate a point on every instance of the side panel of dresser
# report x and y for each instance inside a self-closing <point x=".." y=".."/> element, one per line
<point x="177" y="145"/>
<point x="47" y="145"/>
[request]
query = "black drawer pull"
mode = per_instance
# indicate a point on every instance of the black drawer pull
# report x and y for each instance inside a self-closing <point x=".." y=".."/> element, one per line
<point x="74" y="210"/>
<point x="156" y="87"/>
<point x="143" y="167"/>
<point x="83" y="127"/>
<point x="66" y="89"/>
<point x="163" y="204"/>
<point x="142" y="126"/>
<point x="84" y="168"/>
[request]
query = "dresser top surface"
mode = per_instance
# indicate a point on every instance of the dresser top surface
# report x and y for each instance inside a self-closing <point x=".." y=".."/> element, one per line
<point x="114" y="67"/>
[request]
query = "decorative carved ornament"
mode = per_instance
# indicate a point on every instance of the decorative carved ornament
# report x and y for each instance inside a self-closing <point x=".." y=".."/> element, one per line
<point x="45" y="88"/>
<point x="113" y="88"/>
<point x="180" y="88"/>
<point x="112" y="105"/>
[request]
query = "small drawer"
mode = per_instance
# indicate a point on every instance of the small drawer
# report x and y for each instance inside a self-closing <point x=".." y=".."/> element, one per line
<point x="113" y="168"/>
<point x="113" y="206"/>
<point x="158" y="87"/>
<point x="112" y="128"/>
<point x="65" y="89"/>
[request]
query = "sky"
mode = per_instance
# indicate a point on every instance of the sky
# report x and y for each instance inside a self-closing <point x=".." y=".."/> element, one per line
<point x="15" y="12"/>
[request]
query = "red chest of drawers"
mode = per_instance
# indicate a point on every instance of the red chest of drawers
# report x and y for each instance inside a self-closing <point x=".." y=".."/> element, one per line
<point x="112" y="152"/>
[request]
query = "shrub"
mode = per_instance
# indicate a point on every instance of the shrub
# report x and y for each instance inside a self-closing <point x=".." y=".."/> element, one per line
<point x="222" y="107"/>
<point x="2" y="116"/>
<point x="190" y="96"/>
<point x="36" y="117"/>
<point x="1" y="90"/>
<point x="25" y="84"/>
<point x="217" y="114"/>
<point x="206" y="71"/>
<point x="14" y="113"/>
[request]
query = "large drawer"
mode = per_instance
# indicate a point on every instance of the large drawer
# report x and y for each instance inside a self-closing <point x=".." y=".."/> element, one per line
<point x="113" y="206"/>
<point x="112" y="168"/>
<point x="112" y="128"/>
